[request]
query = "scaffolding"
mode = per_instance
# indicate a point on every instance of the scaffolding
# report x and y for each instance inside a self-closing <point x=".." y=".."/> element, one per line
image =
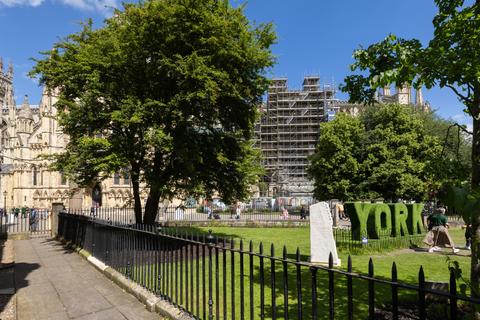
<point x="287" y="133"/>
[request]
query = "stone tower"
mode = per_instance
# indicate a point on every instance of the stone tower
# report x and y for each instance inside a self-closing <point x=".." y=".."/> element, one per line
<point x="404" y="94"/>
<point x="6" y="87"/>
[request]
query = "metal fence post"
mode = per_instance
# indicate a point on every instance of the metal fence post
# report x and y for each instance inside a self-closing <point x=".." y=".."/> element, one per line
<point x="210" y="282"/>
<point x="371" y="291"/>
<point x="394" y="291"/>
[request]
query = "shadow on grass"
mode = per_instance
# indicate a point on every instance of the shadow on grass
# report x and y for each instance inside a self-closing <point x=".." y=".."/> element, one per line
<point x="271" y="288"/>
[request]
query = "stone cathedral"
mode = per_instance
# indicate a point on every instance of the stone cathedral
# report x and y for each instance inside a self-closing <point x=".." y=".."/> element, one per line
<point x="29" y="131"/>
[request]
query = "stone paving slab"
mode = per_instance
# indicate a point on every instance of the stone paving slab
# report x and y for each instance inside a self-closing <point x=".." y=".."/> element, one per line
<point x="54" y="283"/>
<point x="7" y="285"/>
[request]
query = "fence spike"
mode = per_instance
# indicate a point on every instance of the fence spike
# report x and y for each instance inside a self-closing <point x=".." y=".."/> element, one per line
<point x="349" y="264"/>
<point x="421" y="294"/>
<point x="284" y="252"/>
<point x="421" y="276"/>
<point x="261" y="248"/>
<point x="297" y="254"/>
<point x="210" y="237"/>
<point x="272" y="250"/>
<point x="330" y="260"/>
<point x="394" y="292"/>
<point x="241" y="244"/>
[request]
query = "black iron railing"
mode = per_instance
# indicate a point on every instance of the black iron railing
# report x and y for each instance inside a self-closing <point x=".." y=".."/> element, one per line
<point x="166" y="214"/>
<point x="213" y="278"/>
<point x="345" y="240"/>
<point x="25" y="220"/>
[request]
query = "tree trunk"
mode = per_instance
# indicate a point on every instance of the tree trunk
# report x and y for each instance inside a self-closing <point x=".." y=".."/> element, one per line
<point x="475" y="266"/>
<point x="151" y="207"/>
<point x="137" y="202"/>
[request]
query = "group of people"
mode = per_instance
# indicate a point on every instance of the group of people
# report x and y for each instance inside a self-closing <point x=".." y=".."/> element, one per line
<point x="33" y="215"/>
<point x="236" y="212"/>
<point x="303" y="213"/>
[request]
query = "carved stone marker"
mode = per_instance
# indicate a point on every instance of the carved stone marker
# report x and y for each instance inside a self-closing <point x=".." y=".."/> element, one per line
<point x="321" y="235"/>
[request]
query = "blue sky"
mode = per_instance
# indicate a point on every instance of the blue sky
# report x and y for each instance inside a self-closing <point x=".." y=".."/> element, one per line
<point x="314" y="36"/>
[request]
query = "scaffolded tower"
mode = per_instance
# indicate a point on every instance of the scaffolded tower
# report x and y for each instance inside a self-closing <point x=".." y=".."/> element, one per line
<point x="288" y="130"/>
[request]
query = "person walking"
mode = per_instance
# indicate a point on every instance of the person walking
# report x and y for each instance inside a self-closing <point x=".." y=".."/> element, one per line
<point x="208" y="209"/>
<point x="468" y="236"/>
<point x="33" y="220"/>
<point x="303" y="212"/>
<point x="238" y="211"/>
<point x="179" y="212"/>
<point x="438" y="235"/>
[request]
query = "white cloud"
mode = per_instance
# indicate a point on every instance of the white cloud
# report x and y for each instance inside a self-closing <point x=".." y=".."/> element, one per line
<point x="459" y="117"/>
<point x="92" y="5"/>
<point x="463" y="119"/>
<point x="13" y="3"/>
<point x="102" y="6"/>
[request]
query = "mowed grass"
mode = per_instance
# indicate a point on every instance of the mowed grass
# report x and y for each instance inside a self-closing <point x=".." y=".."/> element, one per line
<point x="408" y="261"/>
<point x="182" y="283"/>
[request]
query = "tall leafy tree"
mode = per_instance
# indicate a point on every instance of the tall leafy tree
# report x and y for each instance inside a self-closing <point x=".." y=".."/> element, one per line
<point x="453" y="166"/>
<point x="451" y="59"/>
<point x="335" y="167"/>
<point x="167" y="89"/>
<point x="382" y="153"/>
<point x="397" y="153"/>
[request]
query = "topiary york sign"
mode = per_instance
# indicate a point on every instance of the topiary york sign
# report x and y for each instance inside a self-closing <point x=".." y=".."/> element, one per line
<point x="380" y="220"/>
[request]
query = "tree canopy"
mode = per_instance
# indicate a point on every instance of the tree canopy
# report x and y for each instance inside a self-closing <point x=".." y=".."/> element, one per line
<point x="385" y="152"/>
<point x="168" y="90"/>
<point x="451" y="59"/>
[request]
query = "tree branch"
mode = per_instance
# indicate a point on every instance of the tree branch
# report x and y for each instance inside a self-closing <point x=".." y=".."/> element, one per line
<point x="461" y="96"/>
<point x="461" y="128"/>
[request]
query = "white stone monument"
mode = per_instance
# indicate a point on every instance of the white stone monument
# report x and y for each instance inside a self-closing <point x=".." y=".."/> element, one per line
<point x="322" y="241"/>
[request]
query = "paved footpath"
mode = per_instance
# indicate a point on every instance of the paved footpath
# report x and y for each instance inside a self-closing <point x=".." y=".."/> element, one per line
<point x="55" y="284"/>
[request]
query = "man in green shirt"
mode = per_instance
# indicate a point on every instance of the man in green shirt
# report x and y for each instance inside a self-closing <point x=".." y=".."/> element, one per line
<point x="437" y="234"/>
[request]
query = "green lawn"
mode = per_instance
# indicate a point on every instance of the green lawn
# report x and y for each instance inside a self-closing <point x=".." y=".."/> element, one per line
<point x="408" y="261"/>
<point x="177" y="273"/>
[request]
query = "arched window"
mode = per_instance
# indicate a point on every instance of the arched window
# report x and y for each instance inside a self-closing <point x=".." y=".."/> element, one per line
<point x="63" y="179"/>
<point x="35" y="175"/>
<point x="116" y="178"/>
<point x="126" y="177"/>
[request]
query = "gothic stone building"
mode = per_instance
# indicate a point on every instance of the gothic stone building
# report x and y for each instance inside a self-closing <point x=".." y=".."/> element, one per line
<point x="29" y="131"/>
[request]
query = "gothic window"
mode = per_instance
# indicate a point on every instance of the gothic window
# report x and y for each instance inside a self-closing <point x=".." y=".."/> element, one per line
<point x="63" y="179"/>
<point x="116" y="178"/>
<point x="35" y="176"/>
<point x="126" y="177"/>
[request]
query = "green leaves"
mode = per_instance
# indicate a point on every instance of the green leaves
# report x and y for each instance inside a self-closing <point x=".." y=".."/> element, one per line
<point x="451" y="59"/>
<point x="464" y="201"/>
<point x="383" y="153"/>
<point x="172" y="90"/>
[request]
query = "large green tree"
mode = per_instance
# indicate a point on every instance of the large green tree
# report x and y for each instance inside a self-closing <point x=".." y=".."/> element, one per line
<point x="453" y="165"/>
<point x="335" y="167"/>
<point x="384" y="152"/>
<point x="451" y="59"/>
<point x="168" y="90"/>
